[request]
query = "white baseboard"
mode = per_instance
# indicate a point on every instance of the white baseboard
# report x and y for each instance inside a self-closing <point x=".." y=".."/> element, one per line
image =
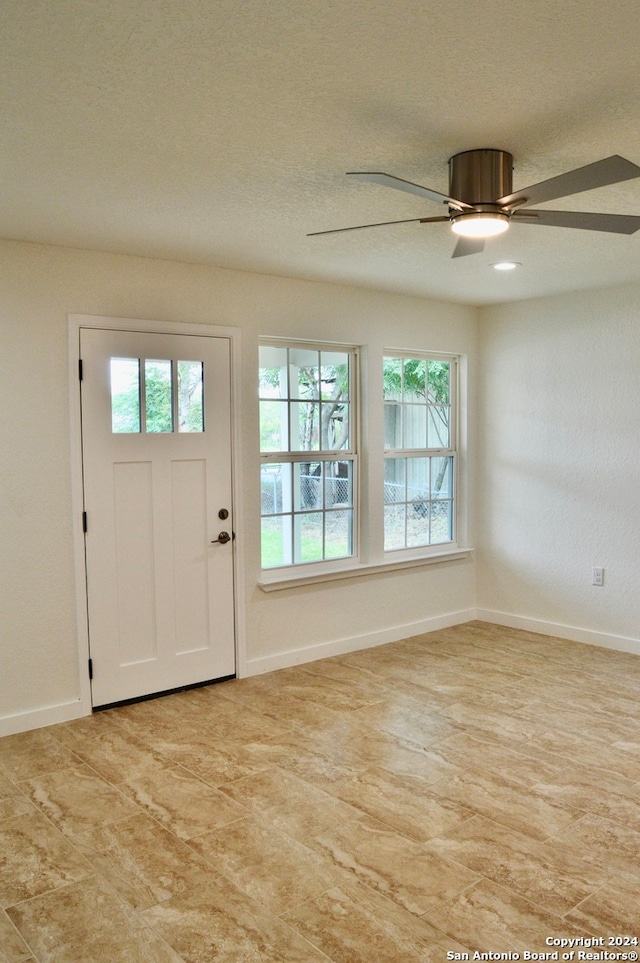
<point x="46" y="716"/>
<point x="66" y="712"/>
<point x="353" y="643"/>
<point x="575" y="634"/>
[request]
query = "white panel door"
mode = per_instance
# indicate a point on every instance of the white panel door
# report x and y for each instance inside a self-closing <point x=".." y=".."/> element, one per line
<point x="156" y="437"/>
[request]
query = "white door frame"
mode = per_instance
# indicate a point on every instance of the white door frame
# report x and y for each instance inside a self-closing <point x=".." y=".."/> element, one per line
<point x="75" y="322"/>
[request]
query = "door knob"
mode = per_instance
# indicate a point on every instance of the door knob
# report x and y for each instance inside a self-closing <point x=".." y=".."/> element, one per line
<point x="223" y="538"/>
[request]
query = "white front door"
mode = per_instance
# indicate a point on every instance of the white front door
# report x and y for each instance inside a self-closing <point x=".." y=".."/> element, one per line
<point x="156" y="438"/>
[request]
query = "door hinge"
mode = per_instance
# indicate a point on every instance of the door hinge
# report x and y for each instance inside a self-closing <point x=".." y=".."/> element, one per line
<point x="84" y="522"/>
<point x="90" y="669"/>
<point x="80" y="369"/>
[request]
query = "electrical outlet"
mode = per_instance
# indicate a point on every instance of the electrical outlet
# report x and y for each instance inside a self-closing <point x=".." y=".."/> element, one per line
<point x="597" y="576"/>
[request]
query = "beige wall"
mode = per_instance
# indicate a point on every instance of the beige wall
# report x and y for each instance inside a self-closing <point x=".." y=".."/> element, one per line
<point x="40" y="287"/>
<point x="559" y="463"/>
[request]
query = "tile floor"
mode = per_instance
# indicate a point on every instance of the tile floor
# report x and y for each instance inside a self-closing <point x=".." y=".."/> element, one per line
<point x="474" y="789"/>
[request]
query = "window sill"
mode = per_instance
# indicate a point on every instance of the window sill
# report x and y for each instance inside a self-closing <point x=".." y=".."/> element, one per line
<point x="276" y="580"/>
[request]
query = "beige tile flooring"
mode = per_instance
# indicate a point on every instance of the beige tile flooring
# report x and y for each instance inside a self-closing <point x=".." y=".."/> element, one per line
<point x="473" y="789"/>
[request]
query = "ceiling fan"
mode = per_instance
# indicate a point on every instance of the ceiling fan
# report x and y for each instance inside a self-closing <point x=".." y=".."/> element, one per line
<point x="482" y="202"/>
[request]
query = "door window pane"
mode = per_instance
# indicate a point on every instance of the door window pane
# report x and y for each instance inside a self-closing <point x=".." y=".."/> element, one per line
<point x="125" y="395"/>
<point x="190" y="396"/>
<point x="158" y="395"/>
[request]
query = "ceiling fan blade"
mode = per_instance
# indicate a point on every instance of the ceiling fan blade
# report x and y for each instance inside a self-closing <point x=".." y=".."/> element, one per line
<point x="613" y="223"/>
<point x="361" y="227"/>
<point x="388" y="180"/>
<point x="468" y="245"/>
<point x="611" y="170"/>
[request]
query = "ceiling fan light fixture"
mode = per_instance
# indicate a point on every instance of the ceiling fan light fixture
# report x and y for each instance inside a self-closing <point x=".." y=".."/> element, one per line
<point x="480" y="224"/>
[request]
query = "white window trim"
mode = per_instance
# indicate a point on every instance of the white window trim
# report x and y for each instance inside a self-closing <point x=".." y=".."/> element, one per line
<point x="452" y="451"/>
<point x="372" y="559"/>
<point x="352" y="454"/>
<point x="272" y="580"/>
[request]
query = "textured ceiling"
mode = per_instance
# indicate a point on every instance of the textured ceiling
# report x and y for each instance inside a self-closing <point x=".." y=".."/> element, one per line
<point x="220" y="131"/>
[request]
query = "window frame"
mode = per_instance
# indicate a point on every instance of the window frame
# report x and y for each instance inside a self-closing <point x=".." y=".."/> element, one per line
<point x="451" y="451"/>
<point x="308" y="570"/>
<point x="369" y="556"/>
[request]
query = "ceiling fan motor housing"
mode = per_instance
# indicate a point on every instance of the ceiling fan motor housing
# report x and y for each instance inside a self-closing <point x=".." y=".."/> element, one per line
<point x="480" y="177"/>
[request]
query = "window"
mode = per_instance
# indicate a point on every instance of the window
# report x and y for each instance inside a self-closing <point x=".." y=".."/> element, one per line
<point x="307" y="446"/>
<point x="419" y="442"/>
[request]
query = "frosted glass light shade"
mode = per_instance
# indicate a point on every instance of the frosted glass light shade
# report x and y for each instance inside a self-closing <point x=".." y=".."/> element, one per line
<point x="484" y="224"/>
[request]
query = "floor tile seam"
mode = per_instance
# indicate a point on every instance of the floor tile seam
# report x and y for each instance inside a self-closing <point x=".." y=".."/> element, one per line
<point x="518" y="750"/>
<point x="603" y="888"/>
<point x="31" y="958"/>
<point x="164" y="763"/>
<point x="130" y="910"/>
<point x="174" y="765"/>
<point x="216" y="828"/>
<point x="600" y="766"/>
<point x="142" y="810"/>
<point x="626" y="790"/>
<point x="530" y="842"/>
<point x="607" y="886"/>
<point x="508" y="891"/>
<point x="47" y="772"/>
<point x="385" y="733"/>
<point x="373" y="769"/>
<point x="66" y="884"/>
<point x="307" y="669"/>
<point x="595" y="803"/>
<point x="498" y="818"/>
<point x="584" y="815"/>
<point x="240" y="887"/>
<point x="443" y="904"/>
<point x="21" y="796"/>
<point x="74" y="841"/>
<point x="525" y="894"/>
<point x="306" y="938"/>
<point x="597" y="715"/>
<point x="377" y="897"/>
<point x="395" y="828"/>
<point x="569" y="759"/>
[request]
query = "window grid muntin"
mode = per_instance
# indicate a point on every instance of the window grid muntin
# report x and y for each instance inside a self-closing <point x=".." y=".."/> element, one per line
<point x="418" y="507"/>
<point x="292" y="400"/>
<point x="403" y="407"/>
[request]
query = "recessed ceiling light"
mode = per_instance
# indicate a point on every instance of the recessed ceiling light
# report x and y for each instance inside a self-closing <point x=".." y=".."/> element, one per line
<point x="506" y="265"/>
